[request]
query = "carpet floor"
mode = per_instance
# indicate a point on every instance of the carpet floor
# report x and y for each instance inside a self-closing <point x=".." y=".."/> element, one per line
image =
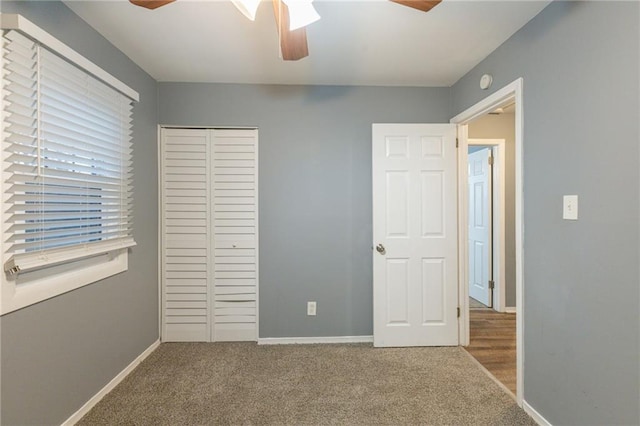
<point x="348" y="384"/>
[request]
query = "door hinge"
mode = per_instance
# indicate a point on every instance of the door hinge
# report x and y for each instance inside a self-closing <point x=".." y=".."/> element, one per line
<point x="457" y="142"/>
<point x="491" y="161"/>
<point x="492" y="284"/>
<point x="458" y="311"/>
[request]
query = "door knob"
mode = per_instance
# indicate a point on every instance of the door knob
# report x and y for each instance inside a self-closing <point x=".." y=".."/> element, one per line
<point x="380" y="248"/>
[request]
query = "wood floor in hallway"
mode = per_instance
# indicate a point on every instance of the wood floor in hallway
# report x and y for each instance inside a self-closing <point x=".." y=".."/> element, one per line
<point x="493" y="343"/>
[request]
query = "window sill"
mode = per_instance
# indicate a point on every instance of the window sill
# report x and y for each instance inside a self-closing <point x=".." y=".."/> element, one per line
<point x="32" y="287"/>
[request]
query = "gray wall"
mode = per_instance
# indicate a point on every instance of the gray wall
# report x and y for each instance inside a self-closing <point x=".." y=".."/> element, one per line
<point x="503" y="127"/>
<point x="315" y="189"/>
<point x="580" y="65"/>
<point x="57" y="354"/>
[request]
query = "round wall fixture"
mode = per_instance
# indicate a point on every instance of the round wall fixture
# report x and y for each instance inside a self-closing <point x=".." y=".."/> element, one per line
<point x="485" y="81"/>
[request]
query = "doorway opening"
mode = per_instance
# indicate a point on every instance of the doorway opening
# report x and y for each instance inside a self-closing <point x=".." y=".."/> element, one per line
<point x="511" y="298"/>
<point x="492" y="331"/>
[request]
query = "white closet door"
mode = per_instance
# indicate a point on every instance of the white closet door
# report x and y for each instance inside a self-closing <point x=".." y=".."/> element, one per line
<point x="185" y="234"/>
<point x="235" y="222"/>
<point x="209" y="228"/>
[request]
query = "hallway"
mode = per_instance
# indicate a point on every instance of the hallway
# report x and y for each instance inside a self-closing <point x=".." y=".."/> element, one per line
<point x="493" y="342"/>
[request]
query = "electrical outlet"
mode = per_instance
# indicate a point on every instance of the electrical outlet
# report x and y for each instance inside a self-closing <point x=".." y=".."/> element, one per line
<point x="311" y="308"/>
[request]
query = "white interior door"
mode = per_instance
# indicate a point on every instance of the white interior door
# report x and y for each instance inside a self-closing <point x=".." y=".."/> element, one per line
<point x="480" y="226"/>
<point x="415" y="257"/>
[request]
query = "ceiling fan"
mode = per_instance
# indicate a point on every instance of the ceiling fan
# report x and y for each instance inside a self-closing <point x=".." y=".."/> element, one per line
<point x="292" y="17"/>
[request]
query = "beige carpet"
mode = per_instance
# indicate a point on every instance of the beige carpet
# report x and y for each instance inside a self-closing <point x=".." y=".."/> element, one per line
<point x="356" y="384"/>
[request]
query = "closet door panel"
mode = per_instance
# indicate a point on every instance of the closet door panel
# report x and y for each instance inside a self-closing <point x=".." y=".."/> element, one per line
<point x="235" y="206"/>
<point x="185" y="234"/>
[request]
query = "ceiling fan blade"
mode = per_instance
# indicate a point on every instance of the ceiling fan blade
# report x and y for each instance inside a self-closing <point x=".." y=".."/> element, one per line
<point x="293" y="44"/>
<point x="151" y="4"/>
<point x="423" y="5"/>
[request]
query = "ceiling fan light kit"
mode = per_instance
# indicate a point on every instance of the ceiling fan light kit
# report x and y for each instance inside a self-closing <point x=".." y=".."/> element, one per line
<point x="292" y="17"/>
<point x="247" y="7"/>
<point x="301" y="13"/>
<point x="293" y="44"/>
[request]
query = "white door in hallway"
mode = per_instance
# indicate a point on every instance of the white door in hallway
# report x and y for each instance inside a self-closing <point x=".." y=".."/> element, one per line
<point x="415" y="238"/>
<point x="480" y="226"/>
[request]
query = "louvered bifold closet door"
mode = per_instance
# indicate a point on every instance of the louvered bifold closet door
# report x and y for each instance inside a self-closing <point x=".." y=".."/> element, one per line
<point x="235" y="222"/>
<point x="186" y="234"/>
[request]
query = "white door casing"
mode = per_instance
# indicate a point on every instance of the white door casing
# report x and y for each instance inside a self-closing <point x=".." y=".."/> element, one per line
<point x="480" y="229"/>
<point x="415" y="270"/>
<point x="507" y="95"/>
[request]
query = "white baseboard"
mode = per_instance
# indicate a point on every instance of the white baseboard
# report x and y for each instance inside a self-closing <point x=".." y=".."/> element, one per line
<point x="534" y="414"/>
<point x="75" y="417"/>
<point x="313" y="340"/>
<point x="510" y="309"/>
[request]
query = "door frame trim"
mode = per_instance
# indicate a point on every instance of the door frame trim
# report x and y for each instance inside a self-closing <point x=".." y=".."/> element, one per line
<point x="509" y="93"/>
<point x="498" y="226"/>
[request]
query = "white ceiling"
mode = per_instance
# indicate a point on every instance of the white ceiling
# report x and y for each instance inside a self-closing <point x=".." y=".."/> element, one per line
<point x="363" y="42"/>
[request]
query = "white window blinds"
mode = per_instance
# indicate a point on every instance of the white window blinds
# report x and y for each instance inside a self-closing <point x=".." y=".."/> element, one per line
<point x="67" y="160"/>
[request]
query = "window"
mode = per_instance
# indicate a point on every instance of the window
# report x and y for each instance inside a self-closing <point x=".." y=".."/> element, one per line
<point x="66" y="171"/>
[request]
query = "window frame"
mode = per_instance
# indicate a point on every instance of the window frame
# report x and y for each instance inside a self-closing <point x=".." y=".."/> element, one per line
<point x="27" y="288"/>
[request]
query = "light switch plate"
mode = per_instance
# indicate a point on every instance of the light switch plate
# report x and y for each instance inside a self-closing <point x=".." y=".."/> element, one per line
<point x="570" y="207"/>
